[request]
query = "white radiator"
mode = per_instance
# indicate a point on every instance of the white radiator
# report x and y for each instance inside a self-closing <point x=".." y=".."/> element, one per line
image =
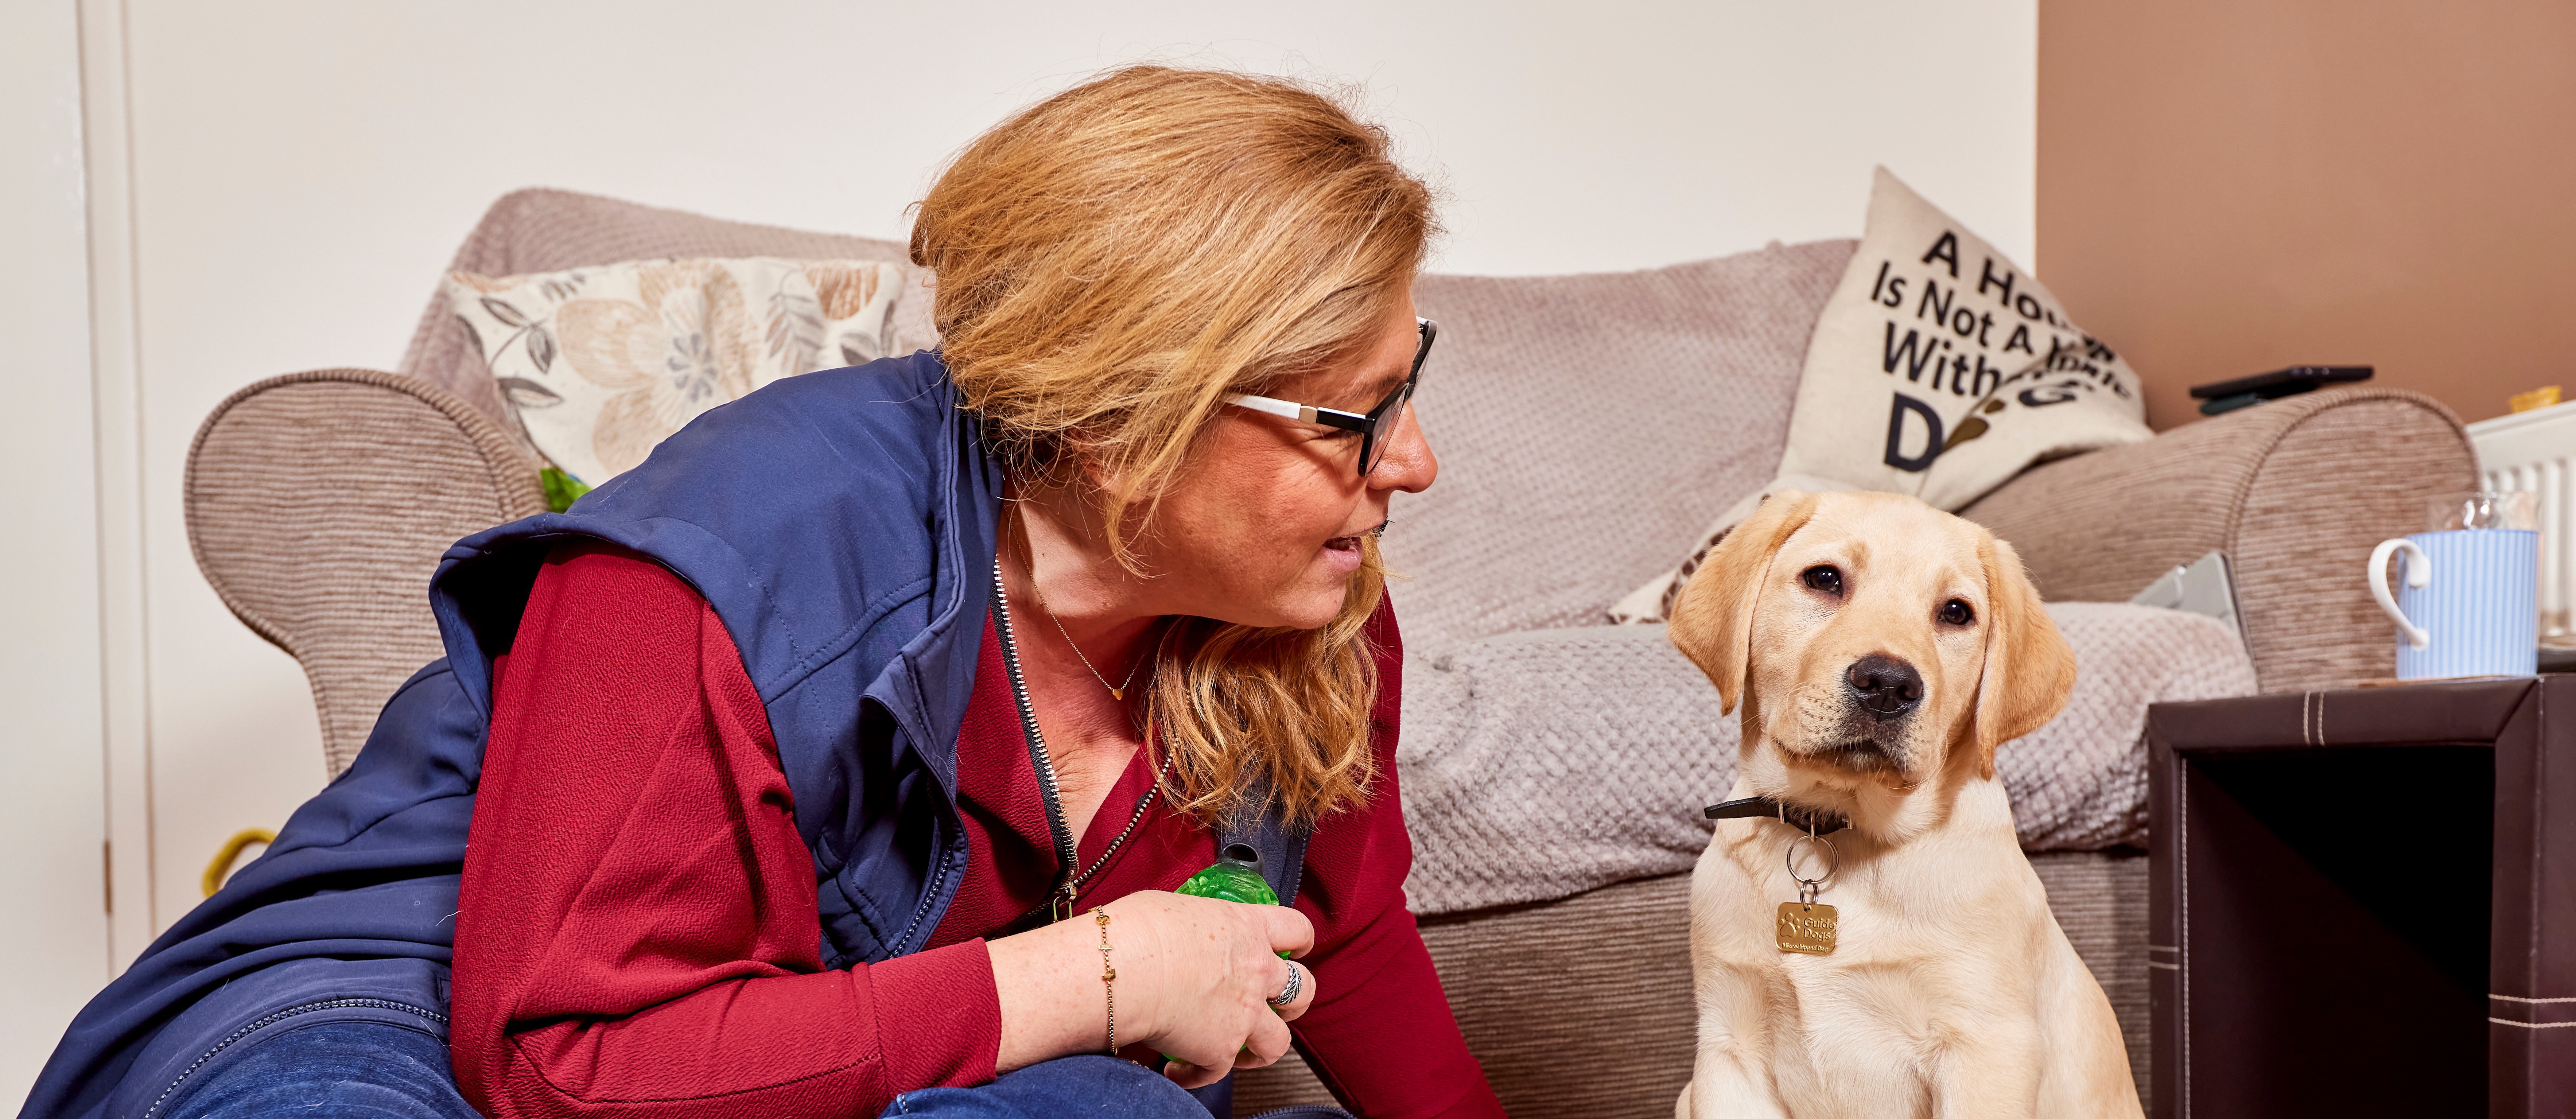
<point x="2535" y="452"/>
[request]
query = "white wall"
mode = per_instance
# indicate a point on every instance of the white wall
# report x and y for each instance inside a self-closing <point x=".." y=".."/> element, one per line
<point x="53" y="938"/>
<point x="303" y="169"/>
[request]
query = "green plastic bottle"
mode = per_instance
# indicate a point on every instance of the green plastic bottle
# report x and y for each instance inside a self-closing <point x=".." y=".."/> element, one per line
<point x="1235" y="876"/>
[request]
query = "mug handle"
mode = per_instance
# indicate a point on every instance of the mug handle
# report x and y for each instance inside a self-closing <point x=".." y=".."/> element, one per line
<point x="2419" y="571"/>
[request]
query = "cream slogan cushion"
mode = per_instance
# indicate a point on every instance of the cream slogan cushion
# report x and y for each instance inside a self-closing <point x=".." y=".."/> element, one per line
<point x="1938" y="369"/>
<point x="603" y="363"/>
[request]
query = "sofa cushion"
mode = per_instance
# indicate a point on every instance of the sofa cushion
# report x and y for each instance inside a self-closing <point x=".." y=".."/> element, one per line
<point x="602" y="362"/>
<point x="1589" y="426"/>
<point x="1542" y="764"/>
<point x="1939" y="369"/>
<point x="541" y="230"/>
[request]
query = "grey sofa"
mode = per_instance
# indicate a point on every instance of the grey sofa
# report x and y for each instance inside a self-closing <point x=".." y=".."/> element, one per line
<point x="1588" y="428"/>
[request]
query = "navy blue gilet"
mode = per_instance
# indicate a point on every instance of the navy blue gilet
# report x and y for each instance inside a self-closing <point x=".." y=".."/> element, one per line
<point x="842" y="524"/>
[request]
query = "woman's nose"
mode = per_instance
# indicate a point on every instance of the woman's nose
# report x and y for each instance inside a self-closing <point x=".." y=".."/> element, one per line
<point x="1408" y="464"/>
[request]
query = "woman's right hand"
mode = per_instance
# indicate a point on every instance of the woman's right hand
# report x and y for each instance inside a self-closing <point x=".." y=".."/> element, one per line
<point x="1194" y="979"/>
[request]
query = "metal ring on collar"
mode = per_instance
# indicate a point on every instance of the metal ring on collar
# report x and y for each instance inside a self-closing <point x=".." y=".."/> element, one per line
<point x="1288" y="994"/>
<point x="1833" y="862"/>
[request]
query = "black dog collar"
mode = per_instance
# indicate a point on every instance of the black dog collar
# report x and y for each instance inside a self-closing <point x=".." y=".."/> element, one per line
<point x="1820" y="823"/>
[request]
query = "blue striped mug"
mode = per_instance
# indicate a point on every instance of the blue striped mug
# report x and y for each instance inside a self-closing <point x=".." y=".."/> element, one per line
<point x="2466" y="602"/>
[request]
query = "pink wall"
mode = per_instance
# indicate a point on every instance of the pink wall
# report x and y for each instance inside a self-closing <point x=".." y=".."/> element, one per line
<point x="2231" y="186"/>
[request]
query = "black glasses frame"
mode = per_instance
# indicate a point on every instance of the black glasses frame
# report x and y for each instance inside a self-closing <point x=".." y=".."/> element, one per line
<point x="1372" y="425"/>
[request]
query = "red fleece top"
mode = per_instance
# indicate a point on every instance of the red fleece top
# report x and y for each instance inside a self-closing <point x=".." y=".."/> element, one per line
<point x="637" y="927"/>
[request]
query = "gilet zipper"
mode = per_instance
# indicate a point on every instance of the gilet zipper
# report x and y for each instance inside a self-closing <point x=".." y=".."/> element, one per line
<point x="1072" y="877"/>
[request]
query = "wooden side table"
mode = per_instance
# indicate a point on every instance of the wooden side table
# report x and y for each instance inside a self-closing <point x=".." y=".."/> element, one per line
<point x="2365" y="902"/>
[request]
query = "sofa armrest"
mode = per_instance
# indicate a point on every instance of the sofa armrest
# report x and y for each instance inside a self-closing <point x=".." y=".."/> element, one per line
<point x="319" y="503"/>
<point x="2296" y="492"/>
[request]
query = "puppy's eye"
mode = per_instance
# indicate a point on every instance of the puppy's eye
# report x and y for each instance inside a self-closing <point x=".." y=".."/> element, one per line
<point x="1823" y="577"/>
<point x="1957" y="613"/>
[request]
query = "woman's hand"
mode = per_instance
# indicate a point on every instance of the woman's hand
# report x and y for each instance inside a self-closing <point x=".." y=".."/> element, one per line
<point x="1194" y="979"/>
<point x="1214" y="966"/>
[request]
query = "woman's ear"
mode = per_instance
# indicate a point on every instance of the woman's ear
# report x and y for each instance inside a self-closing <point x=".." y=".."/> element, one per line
<point x="1713" y="621"/>
<point x="2030" y="671"/>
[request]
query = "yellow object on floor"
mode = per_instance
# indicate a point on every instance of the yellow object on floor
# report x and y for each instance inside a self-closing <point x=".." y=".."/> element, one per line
<point x="222" y="867"/>
<point x="2541" y="397"/>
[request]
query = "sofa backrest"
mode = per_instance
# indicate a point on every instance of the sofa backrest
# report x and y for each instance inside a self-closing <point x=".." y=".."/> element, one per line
<point x="1589" y="426"/>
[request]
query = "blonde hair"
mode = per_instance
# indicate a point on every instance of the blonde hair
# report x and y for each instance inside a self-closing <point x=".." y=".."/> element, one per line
<point x="1113" y="261"/>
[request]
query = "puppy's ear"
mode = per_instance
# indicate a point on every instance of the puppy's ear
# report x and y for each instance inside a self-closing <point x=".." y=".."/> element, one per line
<point x="1713" y="622"/>
<point x="2030" y="672"/>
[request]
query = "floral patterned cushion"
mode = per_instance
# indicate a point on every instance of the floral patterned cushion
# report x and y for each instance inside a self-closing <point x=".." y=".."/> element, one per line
<point x="603" y="363"/>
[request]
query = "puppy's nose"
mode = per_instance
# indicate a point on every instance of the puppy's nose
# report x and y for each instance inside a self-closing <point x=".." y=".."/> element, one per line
<point x="1884" y="685"/>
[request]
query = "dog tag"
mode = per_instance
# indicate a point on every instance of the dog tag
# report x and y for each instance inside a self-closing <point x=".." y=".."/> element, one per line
<point x="1807" y="928"/>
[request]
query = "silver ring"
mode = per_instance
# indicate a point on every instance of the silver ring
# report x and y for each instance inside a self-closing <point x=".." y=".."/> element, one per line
<point x="1833" y="862"/>
<point x="1288" y="994"/>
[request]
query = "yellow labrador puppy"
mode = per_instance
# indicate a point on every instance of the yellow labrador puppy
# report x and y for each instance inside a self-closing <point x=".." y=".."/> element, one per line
<point x="1881" y="650"/>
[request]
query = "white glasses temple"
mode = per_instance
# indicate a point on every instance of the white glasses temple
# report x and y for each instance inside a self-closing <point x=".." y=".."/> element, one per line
<point x="1304" y="413"/>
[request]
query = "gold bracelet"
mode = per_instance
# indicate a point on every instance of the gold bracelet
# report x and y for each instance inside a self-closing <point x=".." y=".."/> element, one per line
<point x="1108" y="976"/>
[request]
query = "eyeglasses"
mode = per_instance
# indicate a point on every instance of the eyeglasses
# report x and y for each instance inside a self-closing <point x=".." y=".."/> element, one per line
<point x="1374" y="425"/>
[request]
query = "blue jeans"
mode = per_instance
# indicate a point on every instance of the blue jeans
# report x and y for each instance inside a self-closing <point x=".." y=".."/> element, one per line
<point x="369" y="1070"/>
<point x="337" y="1070"/>
<point x="1088" y="1084"/>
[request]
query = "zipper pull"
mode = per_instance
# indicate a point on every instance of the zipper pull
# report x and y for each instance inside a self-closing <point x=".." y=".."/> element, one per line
<point x="1060" y="906"/>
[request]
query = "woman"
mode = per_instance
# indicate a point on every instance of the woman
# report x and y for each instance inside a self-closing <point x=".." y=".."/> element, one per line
<point x="963" y="660"/>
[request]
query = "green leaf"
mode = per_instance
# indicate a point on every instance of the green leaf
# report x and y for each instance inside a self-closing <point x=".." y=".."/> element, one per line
<point x="561" y="489"/>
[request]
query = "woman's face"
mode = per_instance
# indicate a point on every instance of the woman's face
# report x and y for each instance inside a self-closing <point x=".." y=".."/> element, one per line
<point x="1262" y="526"/>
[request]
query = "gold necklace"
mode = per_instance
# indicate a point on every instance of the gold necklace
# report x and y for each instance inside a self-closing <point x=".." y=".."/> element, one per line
<point x="1117" y="691"/>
